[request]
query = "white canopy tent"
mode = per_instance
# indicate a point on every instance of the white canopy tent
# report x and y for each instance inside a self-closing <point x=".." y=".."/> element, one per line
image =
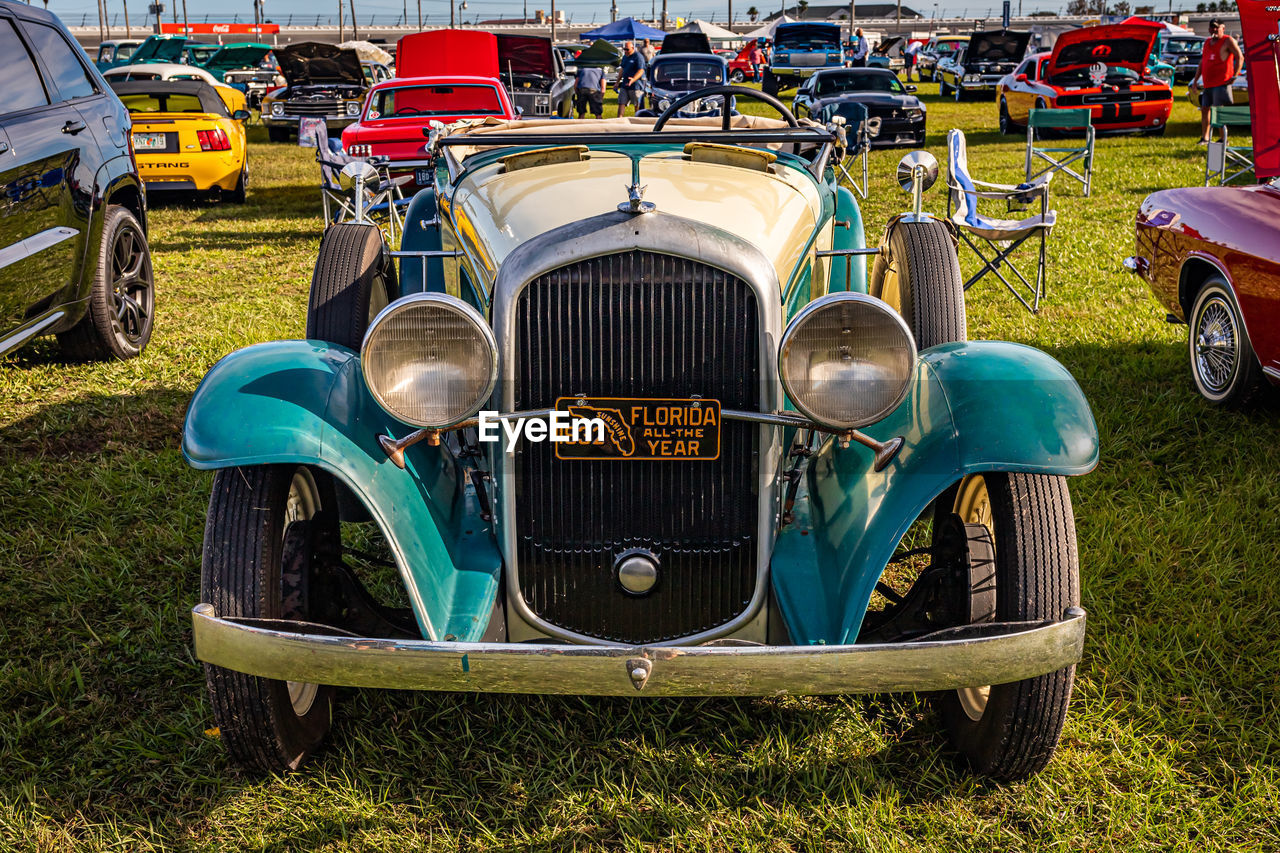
<point x="766" y="32"/>
<point x="710" y="30"/>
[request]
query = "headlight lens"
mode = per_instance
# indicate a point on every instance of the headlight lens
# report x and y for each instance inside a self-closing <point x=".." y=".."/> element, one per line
<point x="1164" y="73"/>
<point x="430" y="360"/>
<point x="972" y="78"/>
<point x="914" y="113"/>
<point x="846" y="360"/>
<point x="277" y="109"/>
<point x="664" y="103"/>
<point x="353" y="108"/>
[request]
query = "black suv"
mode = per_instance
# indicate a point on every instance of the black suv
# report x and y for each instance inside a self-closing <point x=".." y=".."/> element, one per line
<point x="74" y="259"/>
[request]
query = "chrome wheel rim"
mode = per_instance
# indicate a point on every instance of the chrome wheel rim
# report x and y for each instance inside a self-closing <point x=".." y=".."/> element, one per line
<point x="302" y="503"/>
<point x="132" y="295"/>
<point x="973" y="505"/>
<point x="1216" y="345"/>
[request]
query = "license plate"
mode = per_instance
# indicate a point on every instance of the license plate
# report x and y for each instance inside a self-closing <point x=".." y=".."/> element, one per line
<point x="148" y="142"/>
<point x="422" y="177"/>
<point x="643" y="430"/>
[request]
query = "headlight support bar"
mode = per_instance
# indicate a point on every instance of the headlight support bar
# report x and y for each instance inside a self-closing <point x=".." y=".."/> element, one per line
<point x="885" y="451"/>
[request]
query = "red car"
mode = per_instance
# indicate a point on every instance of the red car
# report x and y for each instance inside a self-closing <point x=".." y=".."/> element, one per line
<point x="397" y="111"/>
<point x="740" y="66"/>
<point x="1212" y="257"/>
<point x="1103" y="68"/>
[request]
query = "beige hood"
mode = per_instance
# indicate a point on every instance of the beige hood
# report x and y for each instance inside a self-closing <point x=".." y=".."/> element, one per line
<point x="495" y="210"/>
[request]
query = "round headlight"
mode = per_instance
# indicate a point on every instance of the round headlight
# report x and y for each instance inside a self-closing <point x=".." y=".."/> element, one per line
<point x="664" y="103"/>
<point x="277" y="109"/>
<point x="430" y="360"/>
<point x="353" y="108"/>
<point x="846" y="360"/>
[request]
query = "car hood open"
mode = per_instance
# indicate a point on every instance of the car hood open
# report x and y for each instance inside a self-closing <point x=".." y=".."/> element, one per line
<point x="312" y="62"/>
<point x="997" y="46"/>
<point x="1117" y="45"/>
<point x="236" y="56"/>
<point x="159" y="49"/>
<point x="887" y="45"/>
<point x="521" y="55"/>
<point x="686" y="43"/>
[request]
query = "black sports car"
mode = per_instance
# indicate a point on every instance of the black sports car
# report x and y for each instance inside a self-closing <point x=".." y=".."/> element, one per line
<point x="902" y="115"/>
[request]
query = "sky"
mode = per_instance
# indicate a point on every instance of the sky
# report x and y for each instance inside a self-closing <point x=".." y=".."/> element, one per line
<point x="74" y="12"/>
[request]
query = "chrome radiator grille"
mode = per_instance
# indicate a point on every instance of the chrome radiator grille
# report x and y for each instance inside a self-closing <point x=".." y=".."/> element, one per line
<point x="311" y="108"/>
<point x="637" y="324"/>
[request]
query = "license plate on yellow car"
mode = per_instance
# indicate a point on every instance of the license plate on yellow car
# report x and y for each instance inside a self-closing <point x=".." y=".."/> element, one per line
<point x="640" y="429"/>
<point x="148" y="142"/>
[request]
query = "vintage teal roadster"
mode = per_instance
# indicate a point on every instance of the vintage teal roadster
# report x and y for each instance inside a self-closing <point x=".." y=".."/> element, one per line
<point x="811" y="482"/>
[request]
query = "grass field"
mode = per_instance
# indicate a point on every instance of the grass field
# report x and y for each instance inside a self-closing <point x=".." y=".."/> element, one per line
<point x="1173" y="741"/>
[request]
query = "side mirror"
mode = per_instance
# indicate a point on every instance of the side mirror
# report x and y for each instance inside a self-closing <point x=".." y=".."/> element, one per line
<point x="520" y="112"/>
<point x="1021" y="78"/>
<point x="240" y="115"/>
<point x="910" y="87"/>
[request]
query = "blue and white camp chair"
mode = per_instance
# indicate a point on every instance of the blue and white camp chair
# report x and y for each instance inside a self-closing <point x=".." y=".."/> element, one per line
<point x="1000" y="236"/>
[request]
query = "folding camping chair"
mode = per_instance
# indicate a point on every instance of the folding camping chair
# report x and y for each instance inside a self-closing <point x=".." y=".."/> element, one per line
<point x="1221" y="155"/>
<point x="860" y="129"/>
<point x="383" y="201"/>
<point x="1000" y="236"/>
<point x="1061" y="157"/>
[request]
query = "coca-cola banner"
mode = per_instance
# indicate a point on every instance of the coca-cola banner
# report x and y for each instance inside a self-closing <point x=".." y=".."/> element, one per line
<point x="220" y="29"/>
<point x="1261" y="24"/>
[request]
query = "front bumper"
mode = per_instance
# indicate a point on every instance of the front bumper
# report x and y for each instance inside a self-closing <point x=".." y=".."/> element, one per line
<point x="964" y="657"/>
<point x="333" y="122"/>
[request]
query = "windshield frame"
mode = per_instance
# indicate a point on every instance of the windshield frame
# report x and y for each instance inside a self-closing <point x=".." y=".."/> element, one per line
<point x="690" y="83"/>
<point x="891" y="80"/>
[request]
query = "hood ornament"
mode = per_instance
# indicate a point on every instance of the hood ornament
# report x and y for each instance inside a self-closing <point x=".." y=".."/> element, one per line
<point x="635" y="202"/>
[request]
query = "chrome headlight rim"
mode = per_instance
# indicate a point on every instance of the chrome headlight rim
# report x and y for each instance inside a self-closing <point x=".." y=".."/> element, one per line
<point x="277" y="109"/>
<point x="440" y="300"/>
<point x="818" y="305"/>
<point x="352" y="108"/>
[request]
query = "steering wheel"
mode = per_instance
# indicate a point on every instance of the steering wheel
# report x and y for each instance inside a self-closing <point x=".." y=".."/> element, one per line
<point x="408" y="111"/>
<point x="725" y="93"/>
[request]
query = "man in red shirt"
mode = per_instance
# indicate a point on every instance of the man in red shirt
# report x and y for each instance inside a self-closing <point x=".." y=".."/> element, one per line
<point x="1220" y="61"/>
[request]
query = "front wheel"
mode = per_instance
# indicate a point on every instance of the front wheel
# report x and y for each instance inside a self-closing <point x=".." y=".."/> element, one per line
<point x="1006" y="123"/>
<point x="122" y="297"/>
<point x="1225" y="369"/>
<point x="1010" y="731"/>
<point x="770" y="83"/>
<point x="737" y="77"/>
<point x="264" y="524"/>
<point x="917" y="272"/>
<point x="354" y="279"/>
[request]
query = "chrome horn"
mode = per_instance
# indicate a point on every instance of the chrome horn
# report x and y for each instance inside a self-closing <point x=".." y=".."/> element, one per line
<point x="916" y="173"/>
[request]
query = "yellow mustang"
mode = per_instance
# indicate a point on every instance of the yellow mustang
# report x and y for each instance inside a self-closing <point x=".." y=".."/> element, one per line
<point x="184" y="138"/>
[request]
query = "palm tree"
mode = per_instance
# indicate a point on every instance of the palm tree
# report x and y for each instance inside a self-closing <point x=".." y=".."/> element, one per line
<point x="753" y="13"/>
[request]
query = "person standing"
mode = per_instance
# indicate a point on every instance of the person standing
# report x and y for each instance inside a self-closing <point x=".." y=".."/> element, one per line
<point x="648" y="51"/>
<point x="758" y="62"/>
<point x="909" y="57"/>
<point x="588" y="92"/>
<point x="630" y="73"/>
<point x="859" y="57"/>
<point x="1220" y="61"/>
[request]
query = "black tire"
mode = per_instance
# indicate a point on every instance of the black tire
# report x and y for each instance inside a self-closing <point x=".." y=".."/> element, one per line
<point x="1007" y="127"/>
<point x="1010" y="731"/>
<point x="241" y="193"/>
<point x="267" y="726"/>
<point x="1224" y="367"/>
<point x="278" y="134"/>
<point x="736" y="77"/>
<point x="918" y="273"/>
<point x="354" y="279"/>
<point x="122" y="299"/>
<point x="770" y="83"/>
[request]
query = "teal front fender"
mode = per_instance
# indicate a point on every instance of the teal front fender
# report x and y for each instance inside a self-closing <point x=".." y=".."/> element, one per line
<point x="973" y="407"/>
<point x="305" y="402"/>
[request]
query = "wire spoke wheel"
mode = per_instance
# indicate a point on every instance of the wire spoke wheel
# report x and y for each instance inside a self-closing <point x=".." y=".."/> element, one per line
<point x="1216" y="345"/>
<point x="1224" y="367"/>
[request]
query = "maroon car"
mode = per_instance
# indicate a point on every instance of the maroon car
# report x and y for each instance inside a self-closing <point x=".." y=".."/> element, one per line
<point x="1212" y="257"/>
